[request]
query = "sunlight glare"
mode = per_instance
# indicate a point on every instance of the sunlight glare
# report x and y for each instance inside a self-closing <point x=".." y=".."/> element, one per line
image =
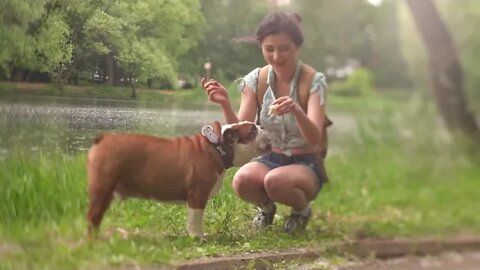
<point x="375" y="3"/>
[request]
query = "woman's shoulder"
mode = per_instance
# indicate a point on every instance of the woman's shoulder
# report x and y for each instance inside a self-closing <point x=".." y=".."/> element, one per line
<point x="319" y="81"/>
<point x="253" y="73"/>
<point x="319" y="84"/>
<point x="251" y="79"/>
<point x="319" y="78"/>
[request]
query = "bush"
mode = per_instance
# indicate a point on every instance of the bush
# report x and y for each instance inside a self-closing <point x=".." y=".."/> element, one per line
<point x="359" y="83"/>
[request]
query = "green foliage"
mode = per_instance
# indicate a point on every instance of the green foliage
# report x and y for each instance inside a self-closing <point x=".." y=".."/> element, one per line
<point x="145" y="37"/>
<point x="461" y="19"/>
<point x="53" y="48"/>
<point x="226" y="20"/>
<point x="17" y="36"/>
<point x="104" y="32"/>
<point x="161" y="40"/>
<point x="337" y="31"/>
<point x="412" y="48"/>
<point x="359" y="83"/>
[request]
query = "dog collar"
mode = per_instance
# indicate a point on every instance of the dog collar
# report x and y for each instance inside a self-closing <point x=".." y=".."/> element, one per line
<point x="211" y="136"/>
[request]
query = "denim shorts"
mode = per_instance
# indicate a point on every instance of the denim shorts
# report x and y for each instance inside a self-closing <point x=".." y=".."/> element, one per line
<point x="275" y="160"/>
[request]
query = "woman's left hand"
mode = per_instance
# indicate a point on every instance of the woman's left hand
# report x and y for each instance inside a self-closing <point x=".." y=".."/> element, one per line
<point x="286" y="105"/>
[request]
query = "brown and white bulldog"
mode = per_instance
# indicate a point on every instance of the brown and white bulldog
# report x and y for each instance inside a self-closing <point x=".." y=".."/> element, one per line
<point x="184" y="169"/>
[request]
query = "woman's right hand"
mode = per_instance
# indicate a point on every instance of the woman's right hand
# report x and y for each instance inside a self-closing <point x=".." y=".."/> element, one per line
<point x="216" y="92"/>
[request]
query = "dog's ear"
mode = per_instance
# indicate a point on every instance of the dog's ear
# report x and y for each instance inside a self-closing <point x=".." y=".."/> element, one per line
<point x="247" y="131"/>
<point x="231" y="136"/>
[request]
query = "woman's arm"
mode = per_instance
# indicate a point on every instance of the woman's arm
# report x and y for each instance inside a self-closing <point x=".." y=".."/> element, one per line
<point x="217" y="93"/>
<point x="248" y="105"/>
<point x="311" y="123"/>
<point x="229" y="113"/>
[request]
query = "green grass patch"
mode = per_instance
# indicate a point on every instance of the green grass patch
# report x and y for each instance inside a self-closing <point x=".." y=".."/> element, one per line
<point x="144" y="95"/>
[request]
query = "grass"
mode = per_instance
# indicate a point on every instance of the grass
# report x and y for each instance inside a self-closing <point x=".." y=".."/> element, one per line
<point x="398" y="175"/>
<point x="145" y="95"/>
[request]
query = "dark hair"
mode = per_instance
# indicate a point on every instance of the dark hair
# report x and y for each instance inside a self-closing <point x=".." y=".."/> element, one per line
<point x="278" y="22"/>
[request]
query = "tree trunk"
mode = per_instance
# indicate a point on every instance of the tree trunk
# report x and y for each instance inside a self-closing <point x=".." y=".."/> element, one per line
<point x="134" y="90"/>
<point x="445" y="69"/>
<point x="109" y="69"/>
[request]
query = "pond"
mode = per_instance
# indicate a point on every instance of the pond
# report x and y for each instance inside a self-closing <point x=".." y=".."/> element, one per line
<point x="70" y="124"/>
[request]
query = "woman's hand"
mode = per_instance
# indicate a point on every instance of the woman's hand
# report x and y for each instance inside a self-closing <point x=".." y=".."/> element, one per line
<point x="216" y="92"/>
<point x="284" y="105"/>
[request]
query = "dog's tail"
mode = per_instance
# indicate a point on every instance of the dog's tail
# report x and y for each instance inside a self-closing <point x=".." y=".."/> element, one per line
<point x="98" y="138"/>
<point x="91" y="151"/>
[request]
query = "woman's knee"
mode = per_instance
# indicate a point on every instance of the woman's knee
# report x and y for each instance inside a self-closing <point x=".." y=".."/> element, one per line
<point x="244" y="182"/>
<point x="240" y="184"/>
<point x="278" y="183"/>
<point x="275" y="184"/>
<point x="249" y="178"/>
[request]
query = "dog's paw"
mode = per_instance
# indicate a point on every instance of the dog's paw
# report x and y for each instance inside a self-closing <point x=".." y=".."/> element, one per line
<point x="198" y="238"/>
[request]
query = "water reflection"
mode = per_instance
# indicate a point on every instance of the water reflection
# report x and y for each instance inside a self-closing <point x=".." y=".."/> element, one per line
<point x="70" y="124"/>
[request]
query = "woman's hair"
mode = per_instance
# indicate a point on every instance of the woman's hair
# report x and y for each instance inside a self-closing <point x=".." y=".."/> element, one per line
<point x="275" y="23"/>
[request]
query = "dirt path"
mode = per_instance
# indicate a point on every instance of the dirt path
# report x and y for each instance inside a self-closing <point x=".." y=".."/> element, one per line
<point x="460" y="252"/>
<point x="445" y="261"/>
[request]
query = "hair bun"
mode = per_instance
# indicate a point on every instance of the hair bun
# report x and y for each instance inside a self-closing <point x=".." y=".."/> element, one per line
<point x="295" y="16"/>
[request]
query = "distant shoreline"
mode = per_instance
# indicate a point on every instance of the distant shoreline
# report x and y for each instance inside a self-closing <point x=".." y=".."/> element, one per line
<point x="102" y="91"/>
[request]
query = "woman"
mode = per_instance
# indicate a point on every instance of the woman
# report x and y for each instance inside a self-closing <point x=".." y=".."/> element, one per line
<point x="290" y="174"/>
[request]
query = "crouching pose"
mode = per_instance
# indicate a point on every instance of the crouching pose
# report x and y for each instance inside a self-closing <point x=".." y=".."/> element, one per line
<point x="288" y="98"/>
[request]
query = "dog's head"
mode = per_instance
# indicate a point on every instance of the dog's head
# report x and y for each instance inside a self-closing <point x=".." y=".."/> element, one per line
<point x="241" y="132"/>
<point x="243" y="141"/>
<point x="248" y="141"/>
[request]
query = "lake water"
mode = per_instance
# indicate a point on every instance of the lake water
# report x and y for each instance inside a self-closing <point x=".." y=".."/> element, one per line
<point x="70" y="124"/>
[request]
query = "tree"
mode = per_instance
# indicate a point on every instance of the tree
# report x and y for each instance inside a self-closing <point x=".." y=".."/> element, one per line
<point x="463" y="18"/>
<point x="341" y="30"/>
<point x="73" y="39"/>
<point x="33" y="37"/>
<point x="227" y="20"/>
<point x="445" y="69"/>
<point x="145" y="37"/>
<point x="53" y="48"/>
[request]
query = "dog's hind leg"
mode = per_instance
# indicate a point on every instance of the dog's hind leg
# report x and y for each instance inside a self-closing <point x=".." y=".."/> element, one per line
<point x="100" y="199"/>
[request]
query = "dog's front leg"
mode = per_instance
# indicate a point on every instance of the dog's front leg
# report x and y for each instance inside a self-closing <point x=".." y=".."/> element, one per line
<point x="195" y="222"/>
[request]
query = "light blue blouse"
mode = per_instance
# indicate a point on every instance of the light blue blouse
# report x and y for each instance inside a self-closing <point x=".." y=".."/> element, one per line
<point x="284" y="130"/>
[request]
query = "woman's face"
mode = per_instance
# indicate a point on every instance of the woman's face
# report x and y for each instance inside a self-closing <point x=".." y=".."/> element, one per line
<point x="280" y="51"/>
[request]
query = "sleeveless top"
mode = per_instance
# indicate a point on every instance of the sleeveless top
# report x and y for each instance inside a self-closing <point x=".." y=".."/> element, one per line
<point x="284" y="131"/>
